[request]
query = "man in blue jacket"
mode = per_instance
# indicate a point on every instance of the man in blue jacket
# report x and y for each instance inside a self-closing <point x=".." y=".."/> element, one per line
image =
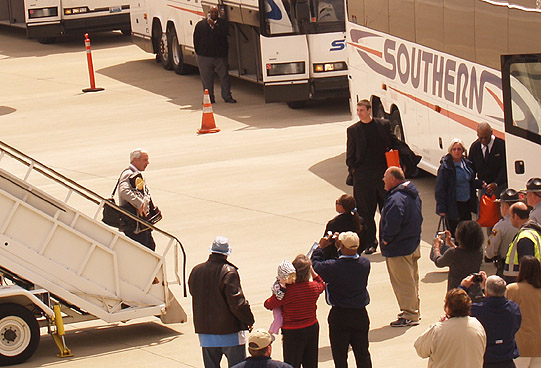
<point x="501" y="319"/>
<point x="400" y="238"/>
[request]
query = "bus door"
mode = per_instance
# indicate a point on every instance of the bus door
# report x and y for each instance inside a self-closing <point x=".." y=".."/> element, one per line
<point x="521" y="82"/>
<point x="12" y="13"/>
<point x="284" y="51"/>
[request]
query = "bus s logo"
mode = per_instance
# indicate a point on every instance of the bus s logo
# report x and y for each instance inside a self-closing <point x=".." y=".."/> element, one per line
<point x="338" y="45"/>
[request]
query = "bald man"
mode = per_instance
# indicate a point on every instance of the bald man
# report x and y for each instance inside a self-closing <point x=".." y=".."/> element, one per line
<point x="526" y="242"/>
<point x="487" y="154"/>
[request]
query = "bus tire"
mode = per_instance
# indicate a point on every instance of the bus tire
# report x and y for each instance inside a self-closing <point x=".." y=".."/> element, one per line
<point x="396" y="125"/>
<point x="296" y="104"/>
<point x="177" y="59"/>
<point x="164" y="52"/>
<point x="19" y="334"/>
<point x="378" y="111"/>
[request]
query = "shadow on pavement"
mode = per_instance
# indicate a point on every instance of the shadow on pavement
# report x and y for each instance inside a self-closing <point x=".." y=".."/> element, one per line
<point x="334" y="171"/>
<point x="435" y="277"/>
<point x="324" y="354"/>
<point x="13" y="43"/>
<point x="385" y="333"/>
<point x="102" y="340"/>
<point x="251" y="109"/>
<point x="4" y="110"/>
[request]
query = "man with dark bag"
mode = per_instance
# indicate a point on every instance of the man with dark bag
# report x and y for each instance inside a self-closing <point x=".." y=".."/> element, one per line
<point x="134" y="196"/>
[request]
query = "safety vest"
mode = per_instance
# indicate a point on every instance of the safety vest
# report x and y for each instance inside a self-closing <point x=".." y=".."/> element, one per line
<point x="511" y="261"/>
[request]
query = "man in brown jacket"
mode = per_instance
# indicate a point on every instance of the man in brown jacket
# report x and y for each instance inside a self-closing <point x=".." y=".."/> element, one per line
<point x="221" y="314"/>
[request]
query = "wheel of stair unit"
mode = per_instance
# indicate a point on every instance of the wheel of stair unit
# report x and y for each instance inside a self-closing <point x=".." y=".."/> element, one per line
<point x="19" y="334"/>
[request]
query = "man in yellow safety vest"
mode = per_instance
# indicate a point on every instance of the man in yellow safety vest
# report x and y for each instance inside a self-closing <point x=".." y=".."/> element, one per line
<point x="526" y="242"/>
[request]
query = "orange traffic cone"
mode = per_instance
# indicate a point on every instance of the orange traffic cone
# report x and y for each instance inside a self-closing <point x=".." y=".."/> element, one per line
<point x="208" y="125"/>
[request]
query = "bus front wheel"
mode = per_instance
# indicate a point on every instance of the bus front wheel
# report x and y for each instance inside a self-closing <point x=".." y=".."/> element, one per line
<point x="396" y="125"/>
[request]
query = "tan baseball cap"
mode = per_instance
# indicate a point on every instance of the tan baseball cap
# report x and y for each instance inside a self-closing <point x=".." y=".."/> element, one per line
<point x="260" y="339"/>
<point x="349" y="239"/>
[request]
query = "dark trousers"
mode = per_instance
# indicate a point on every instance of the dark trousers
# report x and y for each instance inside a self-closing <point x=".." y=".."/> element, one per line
<point x="144" y="238"/>
<point x="207" y="67"/>
<point x="348" y="326"/>
<point x="369" y="192"/>
<point x="213" y="356"/>
<point x="464" y="214"/>
<point x="504" y="364"/>
<point x="300" y="346"/>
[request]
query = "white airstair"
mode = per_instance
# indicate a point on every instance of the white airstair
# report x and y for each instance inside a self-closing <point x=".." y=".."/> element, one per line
<point x="54" y="250"/>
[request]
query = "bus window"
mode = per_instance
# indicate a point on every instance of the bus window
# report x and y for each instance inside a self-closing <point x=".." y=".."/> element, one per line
<point x="525" y="79"/>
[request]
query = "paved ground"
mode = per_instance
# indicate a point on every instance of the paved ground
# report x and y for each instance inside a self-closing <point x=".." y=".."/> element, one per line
<point x="268" y="181"/>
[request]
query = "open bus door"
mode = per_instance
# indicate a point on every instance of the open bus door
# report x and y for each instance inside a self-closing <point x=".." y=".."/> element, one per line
<point x="521" y="83"/>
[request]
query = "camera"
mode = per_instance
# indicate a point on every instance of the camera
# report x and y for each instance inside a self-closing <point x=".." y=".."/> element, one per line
<point x="477" y="278"/>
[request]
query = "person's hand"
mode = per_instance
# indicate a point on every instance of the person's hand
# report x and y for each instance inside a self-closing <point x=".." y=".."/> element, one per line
<point x="437" y="243"/>
<point x="325" y="241"/>
<point x="484" y="276"/>
<point x="314" y="273"/>
<point x="141" y="211"/>
<point x="467" y="281"/>
<point x="448" y="239"/>
<point x="442" y="213"/>
<point x="491" y="188"/>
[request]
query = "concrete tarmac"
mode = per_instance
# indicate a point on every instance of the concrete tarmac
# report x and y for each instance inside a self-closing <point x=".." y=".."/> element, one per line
<point x="268" y="181"/>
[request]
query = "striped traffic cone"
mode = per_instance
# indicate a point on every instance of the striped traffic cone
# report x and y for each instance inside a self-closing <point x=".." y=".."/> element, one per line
<point x="208" y="125"/>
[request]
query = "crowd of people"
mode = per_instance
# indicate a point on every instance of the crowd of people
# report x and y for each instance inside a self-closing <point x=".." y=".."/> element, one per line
<point x="489" y="321"/>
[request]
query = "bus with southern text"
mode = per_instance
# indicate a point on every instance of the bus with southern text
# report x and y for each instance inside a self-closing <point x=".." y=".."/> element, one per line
<point x="433" y="67"/>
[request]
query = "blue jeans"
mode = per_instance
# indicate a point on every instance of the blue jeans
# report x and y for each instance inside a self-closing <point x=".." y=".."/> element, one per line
<point x="213" y="355"/>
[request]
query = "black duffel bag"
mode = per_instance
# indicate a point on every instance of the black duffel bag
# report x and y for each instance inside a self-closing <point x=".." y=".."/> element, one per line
<point x="115" y="218"/>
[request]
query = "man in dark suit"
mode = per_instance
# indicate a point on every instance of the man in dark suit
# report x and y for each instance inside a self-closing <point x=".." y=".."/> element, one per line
<point x="487" y="154"/>
<point x="367" y="142"/>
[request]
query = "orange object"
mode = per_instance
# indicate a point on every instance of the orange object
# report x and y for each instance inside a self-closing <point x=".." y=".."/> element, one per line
<point x="208" y="125"/>
<point x="393" y="158"/>
<point x="489" y="212"/>
<point x="90" y="67"/>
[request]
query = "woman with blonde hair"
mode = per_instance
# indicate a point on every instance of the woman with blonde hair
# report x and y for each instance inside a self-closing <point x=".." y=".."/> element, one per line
<point x="455" y="186"/>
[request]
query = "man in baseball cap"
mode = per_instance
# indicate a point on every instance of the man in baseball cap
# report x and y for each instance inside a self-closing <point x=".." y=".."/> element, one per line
<point x="533" y="197"/>
<point x="503" y="232"/>
<point x="260" y="348"/>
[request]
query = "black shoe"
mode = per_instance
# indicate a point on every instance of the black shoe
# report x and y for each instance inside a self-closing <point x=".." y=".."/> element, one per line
<point x="403" y="322"/>
<point x="370" y="250"/>
<point x="212" y="99"/>
<point x="230" y="100"/>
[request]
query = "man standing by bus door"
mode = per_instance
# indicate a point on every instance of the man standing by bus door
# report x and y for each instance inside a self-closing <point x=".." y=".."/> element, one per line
<point x="487" y="154"/>
<point x="211" y="47"/>
<point x="367" y="142"/>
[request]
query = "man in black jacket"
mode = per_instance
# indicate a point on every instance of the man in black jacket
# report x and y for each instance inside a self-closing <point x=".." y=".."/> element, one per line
<point x="367" y="142"/>
<point x="211" y="47"/>
<point x="221" y="314"/>
<point x="487" y="154"/>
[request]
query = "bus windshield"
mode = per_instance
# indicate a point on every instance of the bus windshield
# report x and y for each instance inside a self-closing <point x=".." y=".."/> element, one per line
<point x="303" y="16"/>
<point x="526" y="96"/>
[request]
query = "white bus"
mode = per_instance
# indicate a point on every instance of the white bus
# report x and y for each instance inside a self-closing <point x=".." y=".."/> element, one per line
<point x="433" y="68"/>
<point x="296" y="49"/>
<point x="45" y="20"/>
